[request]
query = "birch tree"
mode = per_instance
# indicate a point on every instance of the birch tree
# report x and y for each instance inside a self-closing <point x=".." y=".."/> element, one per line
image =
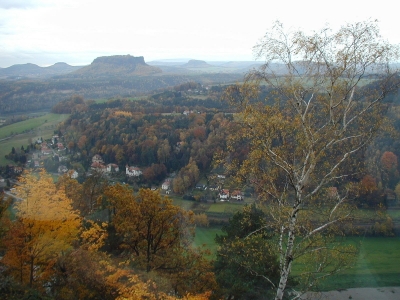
<point x="325" y="102"/>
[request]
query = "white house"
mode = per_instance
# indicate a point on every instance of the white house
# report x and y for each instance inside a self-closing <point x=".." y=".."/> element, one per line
<point x="237" y="195"/>
<point x="224" y="195"/>
<point x="73" y="174"/>
<point x="133" y="171"/>
<point x="166" y="184"/>
<point x="112" y="168"/>
<point x="97" y="158"/>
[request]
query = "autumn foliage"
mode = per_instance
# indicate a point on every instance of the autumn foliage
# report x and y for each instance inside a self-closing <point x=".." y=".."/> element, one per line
<point x="51" y="250"/>
<point x="45" y="227"/>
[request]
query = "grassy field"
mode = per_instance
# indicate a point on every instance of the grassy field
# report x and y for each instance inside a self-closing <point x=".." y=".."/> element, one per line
<point x="224" y="207"/>
<point x="205" y="238"/>
<point x="34" y="128"/>
<point x="377" y="265"/>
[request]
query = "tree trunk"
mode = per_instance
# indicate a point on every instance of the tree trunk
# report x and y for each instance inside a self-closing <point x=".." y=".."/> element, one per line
<point x="31" y="272"/>
<point x="288" y="259"/>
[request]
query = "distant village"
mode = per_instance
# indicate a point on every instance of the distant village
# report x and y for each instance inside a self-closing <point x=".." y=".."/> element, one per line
<point x="55" y="149"/>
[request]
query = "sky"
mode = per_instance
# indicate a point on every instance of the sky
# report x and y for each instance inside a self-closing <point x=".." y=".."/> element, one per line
<point x="45" y="32"/>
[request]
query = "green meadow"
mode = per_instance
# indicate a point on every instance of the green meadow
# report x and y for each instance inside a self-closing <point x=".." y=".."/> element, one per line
<point x="377" y="264"/>
<point x="204" y="238"/>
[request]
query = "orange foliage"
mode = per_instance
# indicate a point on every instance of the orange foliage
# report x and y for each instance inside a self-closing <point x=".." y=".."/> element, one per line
<point x="199" y="133"/>
<point x="389" y="160"/>
<point x="368" y="184"/>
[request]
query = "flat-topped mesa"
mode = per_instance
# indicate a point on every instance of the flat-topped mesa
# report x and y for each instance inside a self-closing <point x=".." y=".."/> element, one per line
<point x="194" y="63"/>
<point x="117" y="65"/>
<point x="120" y="60"/>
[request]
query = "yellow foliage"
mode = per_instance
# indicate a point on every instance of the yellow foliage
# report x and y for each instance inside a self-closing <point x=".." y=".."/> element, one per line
<point x="93" y="238"/>
<point x="123" y="113"/>
<point x="46" y="226"/>
<point x="201" y="220"/>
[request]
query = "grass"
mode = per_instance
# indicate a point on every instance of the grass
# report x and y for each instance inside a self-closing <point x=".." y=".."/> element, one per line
<point x="43" y="126"/>
<point x="205" y="238"/>
<point x="224" y="207"/>
<point x="31" y="124"/>
<point x="178" y="201"/>
<point x="377" y="265"/>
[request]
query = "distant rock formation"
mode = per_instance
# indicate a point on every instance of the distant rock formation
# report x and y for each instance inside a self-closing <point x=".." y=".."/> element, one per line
<point x="194" y="63"/>
<point x="117" y="65"/>
<point x="121" y="60"/>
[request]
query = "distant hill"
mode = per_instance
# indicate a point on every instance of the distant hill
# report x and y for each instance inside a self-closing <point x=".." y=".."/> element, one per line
<point x="34" y="71"/>
<point x="194" y="66"/>
<point x="116" y="66"/>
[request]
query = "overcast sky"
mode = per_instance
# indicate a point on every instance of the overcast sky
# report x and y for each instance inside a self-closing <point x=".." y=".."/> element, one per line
<point x="44" y="32"/>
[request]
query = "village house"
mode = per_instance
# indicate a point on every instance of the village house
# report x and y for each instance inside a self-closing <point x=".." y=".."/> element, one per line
<point x="73" y="174"/>
<point x="214" y="187"/>
<point x="99" y="167"/>
<point x="60" y="147"/>
<point x="237" y="195"/>
<point x="97" y="158"/>
<point x="62" y="169"/>
<point x="54" y="139"/>
<point x="18" y="170"/>
<point x="166" y="184"/>
<point x="132" y="171"/>
<point x="112" y="168"/>
<point x="201" y="187"/>
<point x="45" y="149"/>
<point x="224" y="195"/>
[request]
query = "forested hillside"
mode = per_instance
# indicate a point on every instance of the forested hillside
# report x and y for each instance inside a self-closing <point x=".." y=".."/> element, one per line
<point x="31" y="95"/>
<point x="146" y="135"/>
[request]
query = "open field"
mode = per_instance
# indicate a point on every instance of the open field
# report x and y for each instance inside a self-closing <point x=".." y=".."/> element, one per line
<point x="205" y="238"/>
<point x="377" y="265"/>
<point x="225" y="207"/>
<point x="34" y="128"/>
<point x="31" y="124"/>
<point x="385" y="293"/>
